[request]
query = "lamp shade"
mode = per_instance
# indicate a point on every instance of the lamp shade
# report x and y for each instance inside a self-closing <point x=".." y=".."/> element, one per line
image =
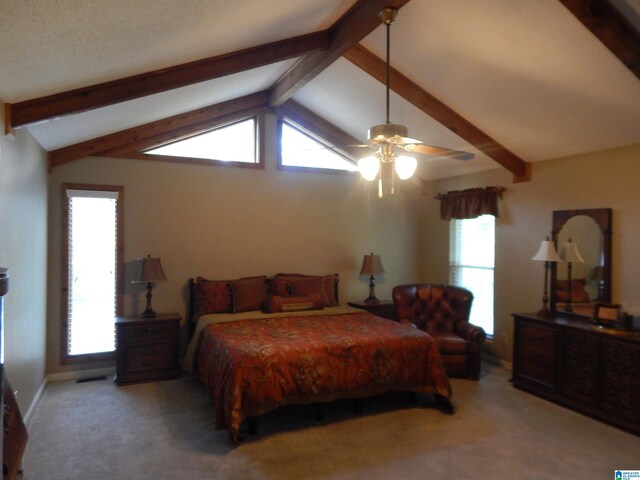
<point x="547" y="252"/>
<point x="371" y="265"/>
<point x="570" y="252"/>
<point x="149" y="270"/>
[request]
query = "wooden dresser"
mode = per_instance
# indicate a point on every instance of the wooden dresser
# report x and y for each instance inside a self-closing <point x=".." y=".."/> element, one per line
<point x="147" y="348"/>
<point x="589" y="369"/>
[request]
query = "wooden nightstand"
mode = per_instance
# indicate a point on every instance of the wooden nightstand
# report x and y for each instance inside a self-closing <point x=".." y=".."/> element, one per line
<point x="384" y="308"/>
<point x="147" y="349"/>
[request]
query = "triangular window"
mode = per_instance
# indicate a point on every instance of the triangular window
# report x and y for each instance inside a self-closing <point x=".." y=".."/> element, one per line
<point x="303" y="149"/>
<point x="234" y="142"/>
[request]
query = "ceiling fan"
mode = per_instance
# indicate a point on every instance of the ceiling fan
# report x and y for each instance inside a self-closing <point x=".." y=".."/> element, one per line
<point x="387" y="136"/>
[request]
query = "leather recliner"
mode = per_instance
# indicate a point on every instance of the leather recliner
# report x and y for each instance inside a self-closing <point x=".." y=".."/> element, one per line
<point x="443" y="312"/>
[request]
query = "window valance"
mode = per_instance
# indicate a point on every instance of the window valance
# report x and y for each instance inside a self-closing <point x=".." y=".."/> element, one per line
<point x="470" y="203"/>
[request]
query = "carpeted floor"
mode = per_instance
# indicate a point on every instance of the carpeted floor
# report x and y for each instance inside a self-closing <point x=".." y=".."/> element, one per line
<point x="164" y="430"/>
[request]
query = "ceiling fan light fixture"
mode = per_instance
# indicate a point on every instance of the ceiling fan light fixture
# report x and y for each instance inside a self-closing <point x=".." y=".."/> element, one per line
<point x="369" y="167"/>
<point x="405" y="166"/>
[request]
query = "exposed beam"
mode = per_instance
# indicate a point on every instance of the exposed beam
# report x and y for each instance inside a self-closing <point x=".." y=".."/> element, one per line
<point x="145" y="136"/>
<point x="358" y="22"/>
<point x="437" y="110"/>
<point x="611" y="28"/>
<point x="122" y="90"/>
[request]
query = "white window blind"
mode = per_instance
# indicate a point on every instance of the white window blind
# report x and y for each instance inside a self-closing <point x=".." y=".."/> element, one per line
<point x="472" y="265"/>
<point x="92" y="267"/>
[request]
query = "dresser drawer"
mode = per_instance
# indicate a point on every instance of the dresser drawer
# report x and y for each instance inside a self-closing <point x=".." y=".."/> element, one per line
<point x="143" y="357"/>
<point x="538" y="344"/>
<point x="537" y="353"/>
<point x="157" y="331"/>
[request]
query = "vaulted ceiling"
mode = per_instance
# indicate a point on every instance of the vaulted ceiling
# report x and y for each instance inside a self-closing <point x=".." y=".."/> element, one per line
<point x="513" y="81"/>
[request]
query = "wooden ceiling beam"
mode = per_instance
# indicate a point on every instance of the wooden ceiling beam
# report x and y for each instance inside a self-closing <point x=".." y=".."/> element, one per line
<point x="122" y="90"/>
<point x="358" y="22"/>
<point x="611" y="28"/>
<point x="410" y="91"/>
<point x="151" y="134"/>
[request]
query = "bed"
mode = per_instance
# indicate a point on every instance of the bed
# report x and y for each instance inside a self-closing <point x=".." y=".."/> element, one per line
<point x="301" y="346"/>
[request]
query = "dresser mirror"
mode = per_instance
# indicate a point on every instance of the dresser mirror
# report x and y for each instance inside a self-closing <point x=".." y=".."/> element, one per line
<point x="583" y="236"/>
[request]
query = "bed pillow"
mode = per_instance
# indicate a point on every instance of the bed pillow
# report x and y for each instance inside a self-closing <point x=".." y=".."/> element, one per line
<point x="298" y="287"/>
<point x="276" y="303"/>
<point x="248" y="294"/>
<point x="212" y="296"/>
<point x="284" y="285"/>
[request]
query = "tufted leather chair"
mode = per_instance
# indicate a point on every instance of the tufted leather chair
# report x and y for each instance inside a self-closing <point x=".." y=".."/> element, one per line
<point x="443" y="312"/>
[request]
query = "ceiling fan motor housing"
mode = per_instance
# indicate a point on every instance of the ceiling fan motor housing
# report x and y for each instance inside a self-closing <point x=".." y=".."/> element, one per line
<point x="386" y="131"/>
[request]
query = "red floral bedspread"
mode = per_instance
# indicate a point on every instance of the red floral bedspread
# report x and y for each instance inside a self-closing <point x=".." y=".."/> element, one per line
<point x="254" y="366"/>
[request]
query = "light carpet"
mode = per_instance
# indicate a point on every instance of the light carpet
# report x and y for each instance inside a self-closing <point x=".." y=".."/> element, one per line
<point x="164" y="430"/>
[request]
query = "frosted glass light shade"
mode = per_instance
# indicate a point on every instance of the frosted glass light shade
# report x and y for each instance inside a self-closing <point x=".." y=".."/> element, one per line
<point x="405" y="166"/>
<point x="369" y="167"/>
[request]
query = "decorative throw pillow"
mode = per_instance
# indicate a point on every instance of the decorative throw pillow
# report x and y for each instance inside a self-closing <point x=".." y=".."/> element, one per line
<point x="211" y="296"/>
<point x="276" y="303"/>
<point x="283" y="286"/>
<point x="248" y="294"/>
<point x="306" y="286"/>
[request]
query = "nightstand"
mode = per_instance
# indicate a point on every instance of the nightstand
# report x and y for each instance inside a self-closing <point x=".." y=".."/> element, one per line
<point x="384" y="308"/>
<point x="147" y="349"/>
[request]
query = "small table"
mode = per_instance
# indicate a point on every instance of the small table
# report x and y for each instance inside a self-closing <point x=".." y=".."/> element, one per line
<point x="384" y="308"/>
<point x="147" y="349"/>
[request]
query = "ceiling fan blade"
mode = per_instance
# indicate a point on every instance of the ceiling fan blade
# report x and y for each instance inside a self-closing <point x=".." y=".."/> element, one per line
<point x="439" y="151"/>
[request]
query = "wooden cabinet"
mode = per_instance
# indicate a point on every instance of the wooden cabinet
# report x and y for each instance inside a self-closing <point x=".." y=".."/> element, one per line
<point x="589" y="369"/>
<point x="384" y="308"/>
<point x="537" y="352"/>
<point x="13" y="440"/>
<point x="147" y="348"/>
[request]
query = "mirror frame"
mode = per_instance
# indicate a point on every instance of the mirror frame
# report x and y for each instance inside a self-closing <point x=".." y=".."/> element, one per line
<point x="602" y="217"/>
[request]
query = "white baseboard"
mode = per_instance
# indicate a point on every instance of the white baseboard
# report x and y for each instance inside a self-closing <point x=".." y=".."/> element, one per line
<point x="79" y="375"/>
<point x="35" y="402"/>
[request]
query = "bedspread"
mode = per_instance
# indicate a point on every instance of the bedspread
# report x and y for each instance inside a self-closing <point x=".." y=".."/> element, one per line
<point x="254" y="366"/>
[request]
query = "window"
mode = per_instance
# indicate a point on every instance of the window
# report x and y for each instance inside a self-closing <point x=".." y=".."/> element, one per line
<point x="235" y="142"/>
<point x="301" y="148"/>
<point x="472" y="265"/>
<point x="92" y="267"/>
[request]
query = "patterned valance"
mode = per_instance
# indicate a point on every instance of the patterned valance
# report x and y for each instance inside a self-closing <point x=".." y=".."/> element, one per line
<point x="470" y="203"/>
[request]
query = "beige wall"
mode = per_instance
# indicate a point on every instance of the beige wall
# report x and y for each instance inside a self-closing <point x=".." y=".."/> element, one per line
<point x="228" y="222"/>
<point x="23" y="249"/>
<point x="605" y="179"/>
<point x="222" y="223"/>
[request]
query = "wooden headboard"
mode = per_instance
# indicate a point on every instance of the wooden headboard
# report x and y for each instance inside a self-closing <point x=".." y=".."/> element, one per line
<point x="193" y="311"/>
